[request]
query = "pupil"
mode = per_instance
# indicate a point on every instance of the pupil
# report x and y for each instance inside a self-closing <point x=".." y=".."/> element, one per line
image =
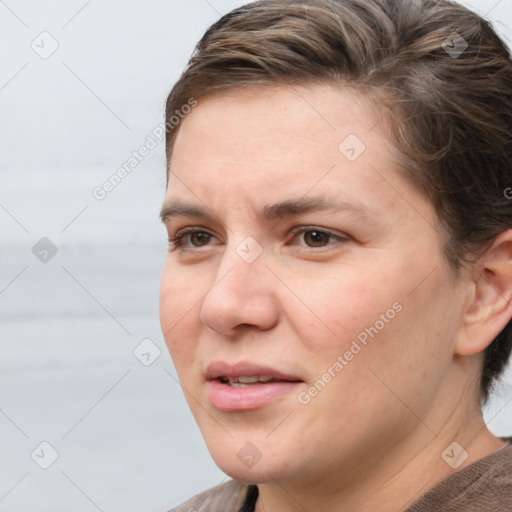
<point x="317" y="238"/>
<point x="201" y="238"/>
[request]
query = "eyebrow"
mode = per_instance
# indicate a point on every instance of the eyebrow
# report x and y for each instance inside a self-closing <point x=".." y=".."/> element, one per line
<point x="277" y="211"/>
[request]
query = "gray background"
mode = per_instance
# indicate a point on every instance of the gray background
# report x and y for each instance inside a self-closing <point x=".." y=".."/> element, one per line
<point x="68" y="375"/>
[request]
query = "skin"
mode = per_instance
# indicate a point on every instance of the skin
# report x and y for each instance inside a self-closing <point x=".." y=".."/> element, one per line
<point x="373" y="437"/>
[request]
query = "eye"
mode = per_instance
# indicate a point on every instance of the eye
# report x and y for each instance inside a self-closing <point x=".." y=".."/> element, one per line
<point x="315" y="237"/>
<point x="190" y="238"/>
<point x="308" y="236"/>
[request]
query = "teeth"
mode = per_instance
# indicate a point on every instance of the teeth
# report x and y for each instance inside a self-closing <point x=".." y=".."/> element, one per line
<point x="246" y="381"/>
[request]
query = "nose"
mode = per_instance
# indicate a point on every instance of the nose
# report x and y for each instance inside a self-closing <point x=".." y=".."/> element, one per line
<point x="243" y="295"/>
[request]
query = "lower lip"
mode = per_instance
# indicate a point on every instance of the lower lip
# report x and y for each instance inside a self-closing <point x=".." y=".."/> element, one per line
<point x="234" y="398"/>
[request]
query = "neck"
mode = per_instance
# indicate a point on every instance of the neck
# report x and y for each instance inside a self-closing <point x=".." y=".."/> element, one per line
<point x="390" y="484"/>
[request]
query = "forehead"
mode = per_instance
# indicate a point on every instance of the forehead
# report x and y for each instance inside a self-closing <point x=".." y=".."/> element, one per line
<point x="248" y="119"/>
<point x="269" y="143"/>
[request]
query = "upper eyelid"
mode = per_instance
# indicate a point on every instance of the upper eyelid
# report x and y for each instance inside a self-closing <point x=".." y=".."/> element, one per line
<point x="317" y="228"/>
<point x="188" y="229"/>
<point x="294" y="231"/>
<point x="192" y="229"/>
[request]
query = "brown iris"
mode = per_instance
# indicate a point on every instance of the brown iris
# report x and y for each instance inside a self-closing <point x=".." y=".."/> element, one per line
<point x="316" y="238"/>
<point x="200" y="237"/>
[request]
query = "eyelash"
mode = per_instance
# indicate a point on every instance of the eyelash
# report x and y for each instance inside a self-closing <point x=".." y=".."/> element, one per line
<point x="176" y="242"/>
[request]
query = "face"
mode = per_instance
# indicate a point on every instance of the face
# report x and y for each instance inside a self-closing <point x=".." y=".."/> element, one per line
<point x="305" y="299"/>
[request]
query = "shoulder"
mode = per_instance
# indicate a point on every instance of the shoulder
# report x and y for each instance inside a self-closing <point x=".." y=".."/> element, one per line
<point x="227" y="497"/>
<point x="483" y="485"/>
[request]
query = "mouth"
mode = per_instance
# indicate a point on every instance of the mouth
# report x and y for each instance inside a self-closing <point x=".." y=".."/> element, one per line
<point x="246" y="381"/>
<point x="246" y="386"/>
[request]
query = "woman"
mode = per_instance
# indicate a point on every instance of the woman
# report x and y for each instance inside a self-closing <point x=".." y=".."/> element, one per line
<point x="338" y="290"/>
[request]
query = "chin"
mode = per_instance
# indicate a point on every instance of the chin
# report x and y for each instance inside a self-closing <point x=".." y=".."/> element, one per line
<point x="260" y="473"/>
<point x="249" y="464"/>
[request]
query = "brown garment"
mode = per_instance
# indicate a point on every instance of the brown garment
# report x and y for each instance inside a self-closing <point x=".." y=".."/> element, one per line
<point x="483" y="486"/>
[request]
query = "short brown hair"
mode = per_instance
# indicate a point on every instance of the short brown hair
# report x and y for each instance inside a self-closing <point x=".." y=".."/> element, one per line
<point x="442" y="72"/>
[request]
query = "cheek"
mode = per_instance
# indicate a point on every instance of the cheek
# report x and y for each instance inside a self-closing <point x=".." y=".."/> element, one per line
<point x="378" y="322"/>
<point x="177" y="299"/>
<point x="332" y="311"/>
<point x="425" y="332"/>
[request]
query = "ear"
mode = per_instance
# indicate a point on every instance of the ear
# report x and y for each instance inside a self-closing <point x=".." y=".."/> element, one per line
<point x="489" y="308"/>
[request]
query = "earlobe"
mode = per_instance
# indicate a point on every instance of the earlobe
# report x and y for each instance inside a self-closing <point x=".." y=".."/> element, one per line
<point x="489" y="308"/>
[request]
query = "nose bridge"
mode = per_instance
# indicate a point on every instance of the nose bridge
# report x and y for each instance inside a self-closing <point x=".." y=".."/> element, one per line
<point x="241" y="269"/>
<point x="240" y="293"/>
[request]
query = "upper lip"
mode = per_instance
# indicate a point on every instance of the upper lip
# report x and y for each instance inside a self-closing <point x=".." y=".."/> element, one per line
<point x="218" y="369"/>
